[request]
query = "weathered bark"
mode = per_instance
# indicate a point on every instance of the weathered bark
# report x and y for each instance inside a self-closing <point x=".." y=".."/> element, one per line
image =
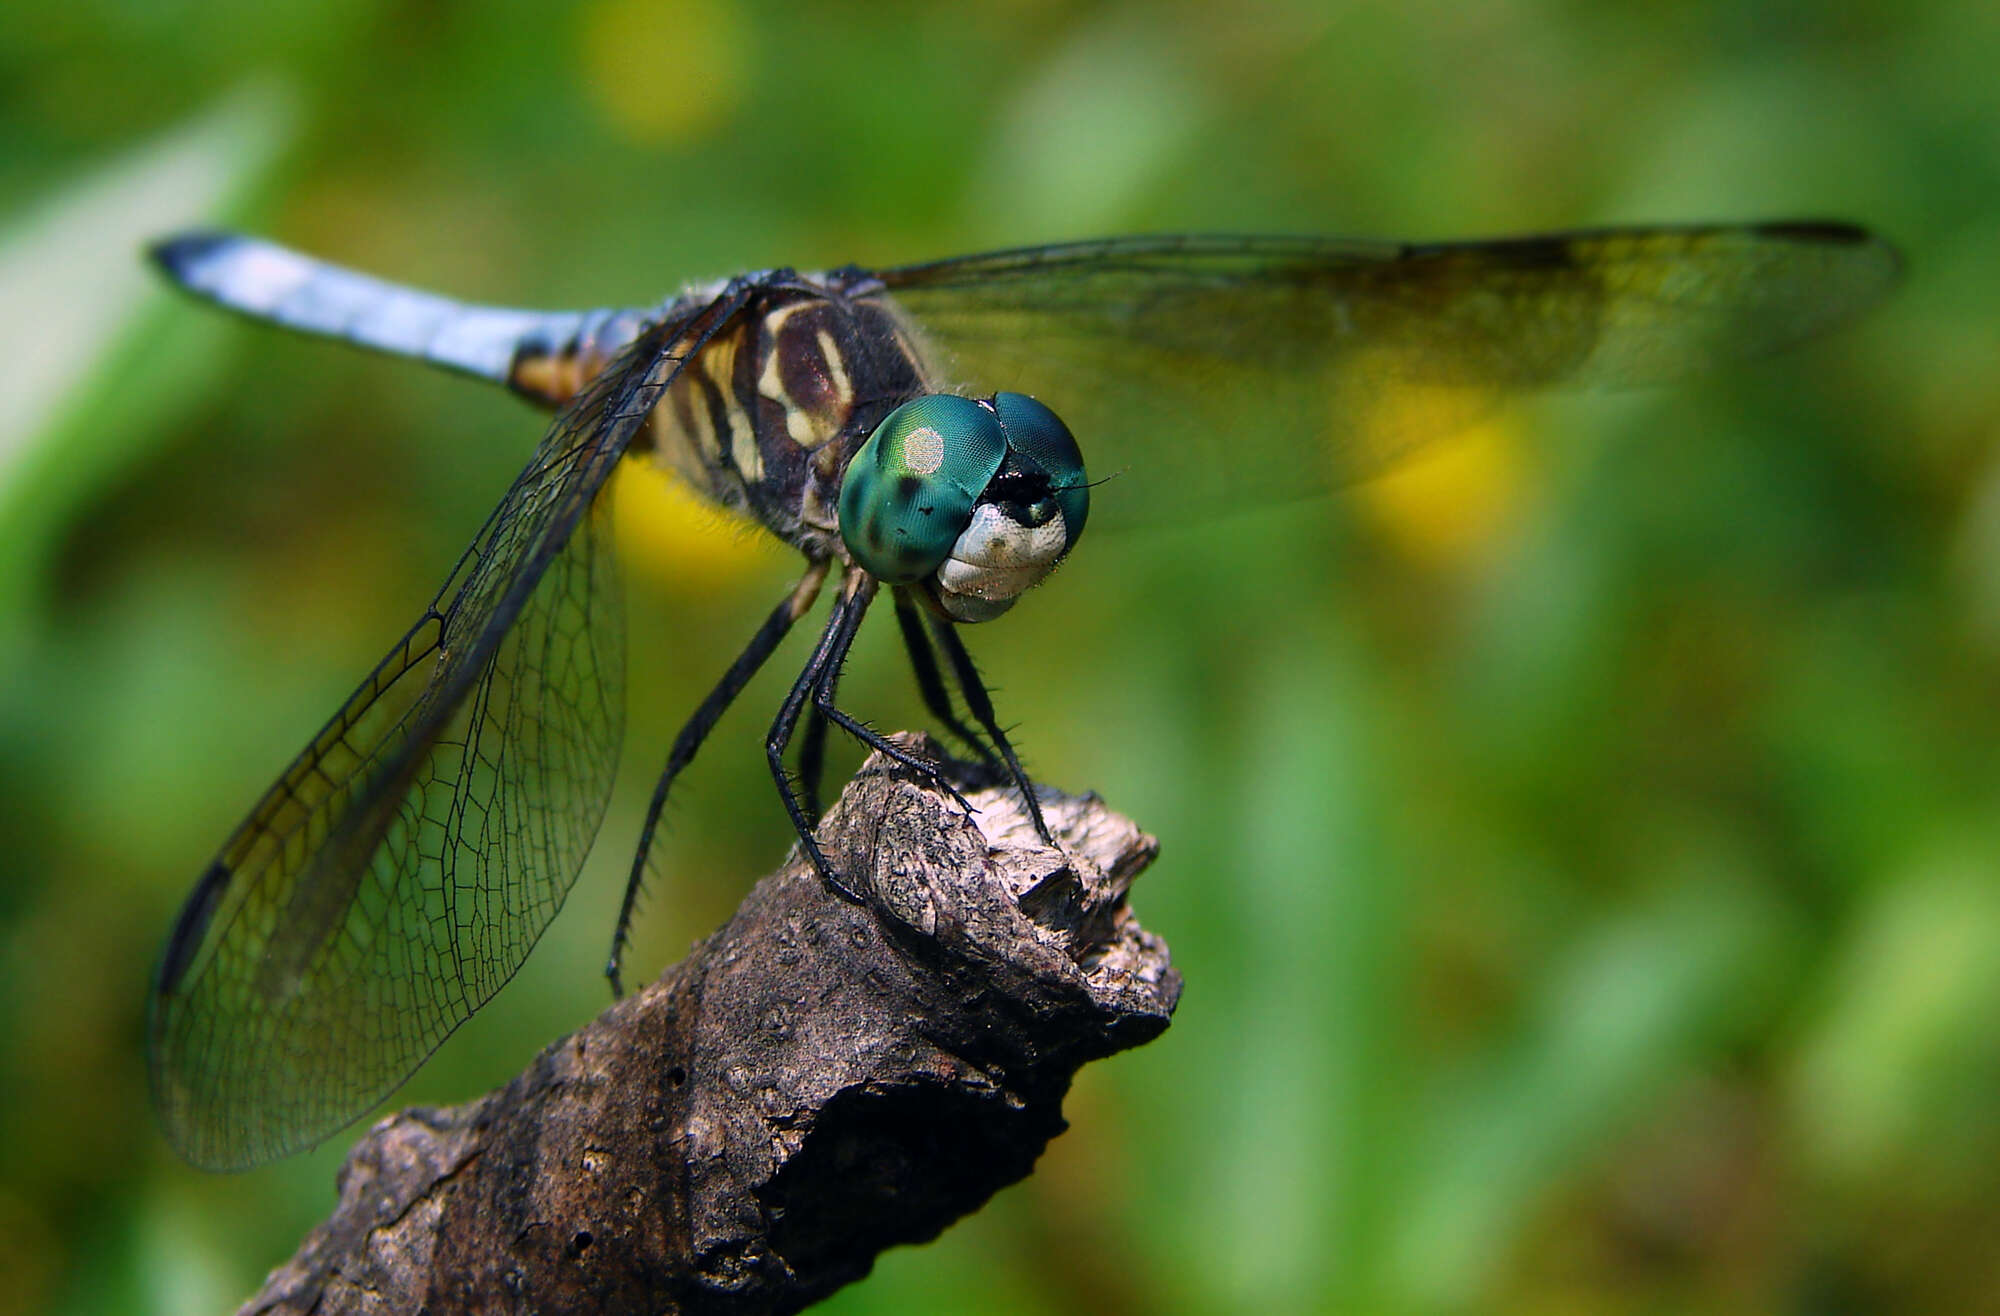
<point x="816" y="1082"/>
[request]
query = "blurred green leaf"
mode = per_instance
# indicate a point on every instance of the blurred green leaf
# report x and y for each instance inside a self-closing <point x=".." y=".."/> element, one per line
<point x="1637" y="999"/>
<point x="1911" y="995"/>
<point x="82" y="384"/>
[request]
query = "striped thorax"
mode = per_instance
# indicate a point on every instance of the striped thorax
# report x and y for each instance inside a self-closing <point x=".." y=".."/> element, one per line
<point x="767" y="413"/>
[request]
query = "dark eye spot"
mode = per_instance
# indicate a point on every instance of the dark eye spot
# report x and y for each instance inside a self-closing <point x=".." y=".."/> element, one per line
<point x="908" y="487"/>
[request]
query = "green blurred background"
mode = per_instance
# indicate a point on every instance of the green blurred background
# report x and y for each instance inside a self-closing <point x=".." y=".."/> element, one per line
<point x="1580" y="846"/>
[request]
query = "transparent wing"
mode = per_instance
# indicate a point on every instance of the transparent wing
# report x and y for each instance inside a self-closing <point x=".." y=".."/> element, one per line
<point x="400" y="870"/>
<point x="1210" y="371"/>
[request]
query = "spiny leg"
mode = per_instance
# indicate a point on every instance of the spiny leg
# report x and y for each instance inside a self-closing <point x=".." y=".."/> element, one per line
<point x="747" y="663"/>
<point x="980" y="705"/>
<point x="857" y="590"/>
<point x="826" y="709"/>
<point x="923" y="662"/>
<point x="812" y="761"/>
<point x="816" y="683"/>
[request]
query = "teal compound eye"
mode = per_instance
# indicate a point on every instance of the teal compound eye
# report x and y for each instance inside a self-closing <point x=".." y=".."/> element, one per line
<point x="1039" y="434"/>
<point x="910" y="491"/>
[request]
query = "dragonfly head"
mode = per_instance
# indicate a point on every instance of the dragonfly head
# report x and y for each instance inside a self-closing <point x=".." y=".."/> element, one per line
<point x="978" y="500"/>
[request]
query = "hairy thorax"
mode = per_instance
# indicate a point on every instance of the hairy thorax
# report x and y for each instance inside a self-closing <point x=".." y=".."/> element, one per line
<point x="766" y="414"/>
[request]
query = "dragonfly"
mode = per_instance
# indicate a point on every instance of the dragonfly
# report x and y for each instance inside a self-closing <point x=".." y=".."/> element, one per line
<point x="940" y="431"/>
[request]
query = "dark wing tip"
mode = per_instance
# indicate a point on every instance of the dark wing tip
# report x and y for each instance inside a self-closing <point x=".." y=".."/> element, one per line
<point x="1838" y="233"/>
<point x="1833" y="231"/>
<point x="190" y="927"/>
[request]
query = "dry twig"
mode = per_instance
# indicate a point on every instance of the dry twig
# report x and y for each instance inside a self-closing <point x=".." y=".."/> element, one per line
<point x="814" y="1083"/>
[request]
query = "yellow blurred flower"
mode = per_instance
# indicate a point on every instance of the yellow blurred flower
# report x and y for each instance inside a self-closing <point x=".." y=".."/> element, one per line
<point x="1447" y="506"/>
<point x="667" y="532"/>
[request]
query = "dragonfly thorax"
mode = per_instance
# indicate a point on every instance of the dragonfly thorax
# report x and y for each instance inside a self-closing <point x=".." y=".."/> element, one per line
<point x="764" y="414"/>
<point x="976" y="500"/>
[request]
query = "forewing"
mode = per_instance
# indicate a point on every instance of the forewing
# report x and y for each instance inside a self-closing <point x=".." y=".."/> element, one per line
<point x="400" y="870"/>
<point x="1208" y="372"/>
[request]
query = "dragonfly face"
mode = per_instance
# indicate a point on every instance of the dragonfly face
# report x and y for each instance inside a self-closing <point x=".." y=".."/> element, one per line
<point x="899" y="427"/>
<point x="976" y="501"/>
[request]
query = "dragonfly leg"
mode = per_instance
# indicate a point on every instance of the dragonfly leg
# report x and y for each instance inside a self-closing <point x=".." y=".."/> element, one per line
<point x="857" y="591"/>
<point x="817" y="684"/>
<point x="980" y="705"/>
<point x="812" y="762"/>
<point x="747" y="663"/>
<point x="923" y="662"/>
<point x="825" y="712"/>
<point x="824" y="708"/>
